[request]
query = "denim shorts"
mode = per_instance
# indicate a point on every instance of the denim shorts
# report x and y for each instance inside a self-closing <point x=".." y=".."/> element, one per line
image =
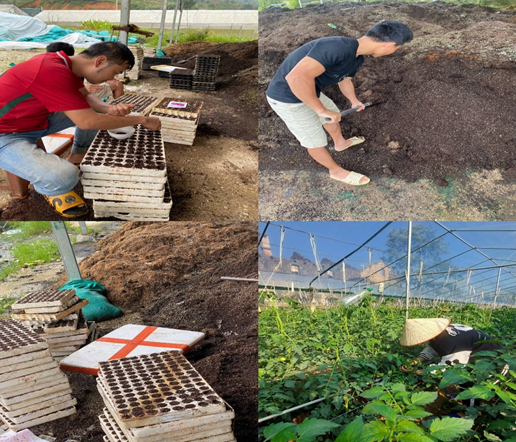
<point x="303" y="121"/>
<point x="49" y="174"/>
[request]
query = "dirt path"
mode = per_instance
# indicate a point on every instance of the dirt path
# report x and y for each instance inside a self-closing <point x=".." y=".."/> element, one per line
<point x="441" y="143"/>
<point x="216" y="178"/>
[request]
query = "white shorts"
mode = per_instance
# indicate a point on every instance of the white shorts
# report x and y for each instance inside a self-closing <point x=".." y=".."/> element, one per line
<point x="303" y="121"/>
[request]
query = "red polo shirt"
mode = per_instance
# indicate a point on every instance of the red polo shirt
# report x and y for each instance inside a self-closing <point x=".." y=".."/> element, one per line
<point x="52" y="86"/>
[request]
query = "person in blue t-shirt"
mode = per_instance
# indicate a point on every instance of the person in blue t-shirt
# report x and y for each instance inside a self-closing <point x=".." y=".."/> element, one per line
<point x="295" y="91"/>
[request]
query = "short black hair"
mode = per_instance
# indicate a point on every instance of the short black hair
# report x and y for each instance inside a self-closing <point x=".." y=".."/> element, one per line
<point x="116" y="52"/>
<point x="390" y="30"/>
<point x="57" y="46"/>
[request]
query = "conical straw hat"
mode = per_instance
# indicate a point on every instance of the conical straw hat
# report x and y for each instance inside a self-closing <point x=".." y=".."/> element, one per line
<point x="417" y="331"/>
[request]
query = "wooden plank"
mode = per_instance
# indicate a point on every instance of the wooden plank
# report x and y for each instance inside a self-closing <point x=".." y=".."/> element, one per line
<point x="44" y="298"/>
<point x="34" y="387"/>
<point x="210" y="419"/>
<point x="124" y="178"/>
<point x="116" y="197"/>
<point x="12" y="369"/>
<point x="50" y="309"/>
<point x="50" y="317"/>
<point x="38" y="396"/>
<point x="21" y="384"/>
<point x="33" y="356"/>
<point x="55" y="400"/>
<point x="18" y="377"/>
<point x="41" y="420"/>
<point x="113" y="186"/>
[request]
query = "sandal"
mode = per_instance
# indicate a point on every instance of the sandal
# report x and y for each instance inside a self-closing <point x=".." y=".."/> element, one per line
<point x="353" y="179"/>
<point x="67" y="204"/>
<point x="354" y="142"/>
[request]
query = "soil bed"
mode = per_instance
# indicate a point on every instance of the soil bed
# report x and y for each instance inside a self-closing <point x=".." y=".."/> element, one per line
<point x="445" y="103"/>
<point x="216" y="178"/>
<point x="169" y="275"/>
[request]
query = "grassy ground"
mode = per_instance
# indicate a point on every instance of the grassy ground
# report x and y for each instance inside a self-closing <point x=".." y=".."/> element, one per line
<point x="185" y="35"/>
<point x="31" y="244"/>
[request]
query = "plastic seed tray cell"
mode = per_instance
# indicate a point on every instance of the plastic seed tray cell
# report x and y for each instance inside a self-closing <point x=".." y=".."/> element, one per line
<point x="157" y="388"/>
<point x="142" y="104"/>
<point x="16" y="339"/>
<point x="143" y="154"/>
<point x="44" y="298"/>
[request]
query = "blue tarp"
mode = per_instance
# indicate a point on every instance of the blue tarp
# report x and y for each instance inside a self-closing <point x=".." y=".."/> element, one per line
<point x="30" y="29"/>
<point x="56" y="33"/>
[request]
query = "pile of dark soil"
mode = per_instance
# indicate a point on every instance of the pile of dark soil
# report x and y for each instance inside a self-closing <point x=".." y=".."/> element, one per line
<point x="169" y="275"/>
<point x="234" y="57"/>
<point x="446" y="101"/>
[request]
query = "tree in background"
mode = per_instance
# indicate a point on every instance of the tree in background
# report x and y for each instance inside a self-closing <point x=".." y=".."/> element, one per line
<point x="431" y="254"/>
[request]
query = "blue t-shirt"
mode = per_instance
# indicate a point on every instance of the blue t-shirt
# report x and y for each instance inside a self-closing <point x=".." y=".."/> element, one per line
<point x="338" y="55"/>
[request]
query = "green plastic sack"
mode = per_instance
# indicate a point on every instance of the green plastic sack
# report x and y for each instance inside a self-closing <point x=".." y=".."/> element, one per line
<point x="99" y="308"/>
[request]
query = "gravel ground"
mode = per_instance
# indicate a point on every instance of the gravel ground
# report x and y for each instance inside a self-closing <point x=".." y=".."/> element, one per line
<point x="8" y="56"/>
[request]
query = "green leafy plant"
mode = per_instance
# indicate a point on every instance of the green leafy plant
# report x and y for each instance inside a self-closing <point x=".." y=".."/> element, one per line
<point x="96" y="25"/>
<point x="304" y="432"/>
<point x="337" y="355"/>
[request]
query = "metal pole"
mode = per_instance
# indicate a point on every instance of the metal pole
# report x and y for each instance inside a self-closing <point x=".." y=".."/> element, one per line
<point x="179" y="21"/>
<point x="66" y="250"/>
<point x="497" y="287"/>
<point x="409" y="246"/>
<point x="84" y="227"/>
<point x="162" y="25"/>
<point x="124" y="21"/>
<point x="171" y="41"/>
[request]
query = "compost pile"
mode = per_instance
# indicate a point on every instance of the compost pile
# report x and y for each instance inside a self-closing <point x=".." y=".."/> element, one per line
<point x="445" y="101"/>
<point x="234" y="57"/>
<point x="169" y="275"/>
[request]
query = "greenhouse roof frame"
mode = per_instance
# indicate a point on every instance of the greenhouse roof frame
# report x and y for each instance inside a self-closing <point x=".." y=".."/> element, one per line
<point x="479" y="278"/>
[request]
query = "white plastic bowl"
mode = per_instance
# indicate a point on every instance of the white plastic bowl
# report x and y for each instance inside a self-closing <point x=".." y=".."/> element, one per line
<point x="122" y="133"/>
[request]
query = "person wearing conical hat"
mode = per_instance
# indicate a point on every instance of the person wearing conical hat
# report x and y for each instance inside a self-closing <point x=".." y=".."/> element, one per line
<point x="453" y="343"/>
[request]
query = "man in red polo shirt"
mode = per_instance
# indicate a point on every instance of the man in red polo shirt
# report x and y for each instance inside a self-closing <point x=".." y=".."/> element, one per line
<point x="45" y="95"/>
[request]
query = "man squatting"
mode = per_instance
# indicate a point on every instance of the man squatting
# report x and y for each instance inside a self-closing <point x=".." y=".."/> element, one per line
<point x="45" y="95"/>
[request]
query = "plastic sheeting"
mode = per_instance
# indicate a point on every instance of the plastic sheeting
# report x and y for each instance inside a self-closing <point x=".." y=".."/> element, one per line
<point x="14" y="27"/>
<point x="16" y="31"/>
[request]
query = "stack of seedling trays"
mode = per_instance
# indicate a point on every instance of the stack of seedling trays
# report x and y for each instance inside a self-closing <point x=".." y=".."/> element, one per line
<point x="66" y="336"/>
<point x="32" y="388"/>
<point x="54" y="315"/>
<point x="178" y="124"/>
<point x="127" y="179"/>
<point x="205" y="72"/>
<point x="160" y="397"/>
<point x="181" y="79"/>
<point x="135" y="72"/>
<point x="142" y="104"/>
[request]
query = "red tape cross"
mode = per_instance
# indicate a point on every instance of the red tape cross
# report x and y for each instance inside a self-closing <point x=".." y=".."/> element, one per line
<point x="131" y="344"/>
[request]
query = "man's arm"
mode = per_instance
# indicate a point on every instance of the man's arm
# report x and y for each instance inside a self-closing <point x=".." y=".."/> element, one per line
<point x="89" y="119"/>
<point x="301" y="80"/>
<point x="99" y="106"/>
<point x="117" y="88"/>
<point x="348" y="90"/>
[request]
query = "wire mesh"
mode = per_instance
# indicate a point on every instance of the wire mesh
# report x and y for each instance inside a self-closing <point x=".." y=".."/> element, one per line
<point x="473" y="262"/>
